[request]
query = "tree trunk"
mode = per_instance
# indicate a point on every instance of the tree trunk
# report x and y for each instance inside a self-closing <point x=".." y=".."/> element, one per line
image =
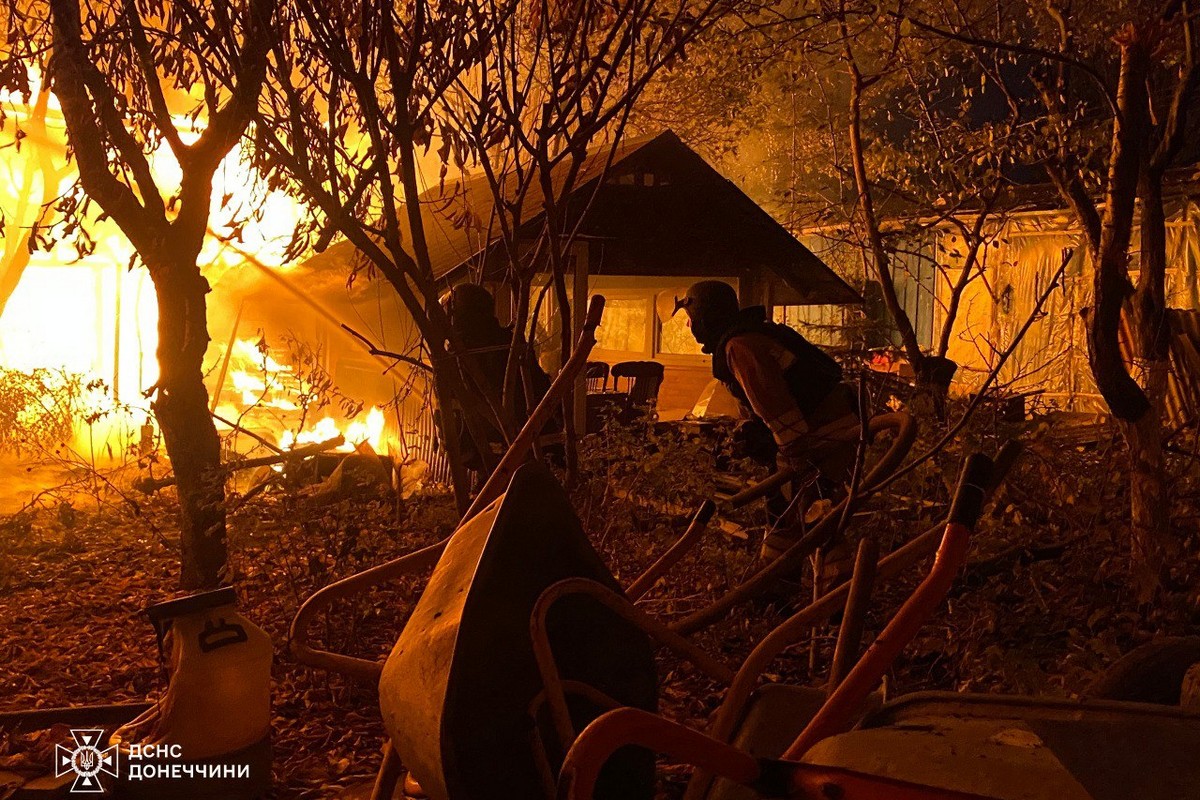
<point x="1149" y="498"/>
<point x="460" y="480"/>
<point x="1149" y="511"/>
<point x="1125" y="398"/>
<point x="181" y="408"/>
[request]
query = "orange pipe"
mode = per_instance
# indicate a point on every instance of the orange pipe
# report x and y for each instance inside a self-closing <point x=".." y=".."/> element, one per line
<point x="850" y="694"/>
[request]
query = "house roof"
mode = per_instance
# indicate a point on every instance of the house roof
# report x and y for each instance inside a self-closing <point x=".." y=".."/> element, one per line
<point x="652" y="206"/>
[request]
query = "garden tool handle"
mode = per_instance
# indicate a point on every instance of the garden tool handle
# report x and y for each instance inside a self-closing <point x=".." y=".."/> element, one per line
<point x="552" y="681"/>
<point x="840" y="709"/>
<point x="738" y="695"/>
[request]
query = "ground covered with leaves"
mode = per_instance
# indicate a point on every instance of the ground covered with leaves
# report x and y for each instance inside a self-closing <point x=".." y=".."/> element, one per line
<point x="1044" y="607"/>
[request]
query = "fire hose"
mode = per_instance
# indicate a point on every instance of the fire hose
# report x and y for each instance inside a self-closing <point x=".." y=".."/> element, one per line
<point x="905" y="430"/>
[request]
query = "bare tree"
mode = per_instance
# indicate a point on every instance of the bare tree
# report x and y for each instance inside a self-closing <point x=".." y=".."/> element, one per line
<point x="1070" y="52"/>
<point x="352" y="97"/>
<point x="866" y="143"/>
<point x="117" y="69"/>
<point x="544" y="116"/>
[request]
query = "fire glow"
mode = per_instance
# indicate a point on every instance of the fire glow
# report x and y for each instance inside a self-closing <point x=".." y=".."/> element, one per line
<point x="356" y="432"/>
<point x="93" y="315"/>
<point x="269" y="394"/>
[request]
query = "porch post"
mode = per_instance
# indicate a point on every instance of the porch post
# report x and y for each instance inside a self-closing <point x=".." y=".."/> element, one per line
<point x="579" y="302"/>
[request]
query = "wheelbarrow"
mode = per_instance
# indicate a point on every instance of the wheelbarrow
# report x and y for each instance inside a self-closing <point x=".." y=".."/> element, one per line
<point x="520" y="638"/>
<point x="436" y="698"/>
<point x="459" y="693"/>
<point x="924" y="746"/>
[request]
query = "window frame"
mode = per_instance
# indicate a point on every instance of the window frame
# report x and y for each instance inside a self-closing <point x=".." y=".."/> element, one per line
<point x="675" y="359"/>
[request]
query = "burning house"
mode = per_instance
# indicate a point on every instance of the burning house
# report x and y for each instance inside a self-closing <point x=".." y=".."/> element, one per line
<point x="288" y="363"/>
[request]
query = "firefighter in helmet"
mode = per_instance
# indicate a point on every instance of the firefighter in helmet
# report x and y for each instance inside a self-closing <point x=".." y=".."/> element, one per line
<point x="472" y="312"/>
<point x="800" y="413"/>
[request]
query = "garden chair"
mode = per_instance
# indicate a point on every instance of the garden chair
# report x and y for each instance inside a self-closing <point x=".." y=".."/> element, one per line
<point x="596" y="375"/>
<point x="643" y="380"/>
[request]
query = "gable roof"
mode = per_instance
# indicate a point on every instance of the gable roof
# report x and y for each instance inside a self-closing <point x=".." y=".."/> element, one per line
<point x="652" y="205"/>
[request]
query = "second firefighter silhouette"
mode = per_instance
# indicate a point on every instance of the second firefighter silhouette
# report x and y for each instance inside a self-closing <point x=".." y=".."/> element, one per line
<point x="800" y="413"/>
<point x="472" y="312"/>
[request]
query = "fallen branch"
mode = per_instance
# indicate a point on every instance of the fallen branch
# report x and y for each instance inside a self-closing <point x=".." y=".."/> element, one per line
<point x="151" y="485"/>
<point x="1001" y="563"/>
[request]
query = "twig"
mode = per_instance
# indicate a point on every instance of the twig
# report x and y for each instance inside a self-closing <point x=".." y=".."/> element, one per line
<point x="375" y="351"/>
<point x="264" y="442"/>
<point x="949" y="435"/>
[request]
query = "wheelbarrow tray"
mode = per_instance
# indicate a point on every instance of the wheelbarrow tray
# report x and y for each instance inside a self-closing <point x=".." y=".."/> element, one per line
<point x="457" y="690"/>
<point x="1024" y="748"/>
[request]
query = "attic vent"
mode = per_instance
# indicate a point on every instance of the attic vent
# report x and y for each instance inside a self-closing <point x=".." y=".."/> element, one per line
<point x="642" y="178"/>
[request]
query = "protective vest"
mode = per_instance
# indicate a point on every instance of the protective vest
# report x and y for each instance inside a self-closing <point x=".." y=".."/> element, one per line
<point x="810" y="378"/>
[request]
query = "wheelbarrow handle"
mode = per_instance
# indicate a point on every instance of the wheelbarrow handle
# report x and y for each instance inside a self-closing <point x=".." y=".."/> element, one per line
<point x="972" y="491"/>
<point x="426" y="557"/>
<point x="631" y="726"/>
<point x="839" y="710"/>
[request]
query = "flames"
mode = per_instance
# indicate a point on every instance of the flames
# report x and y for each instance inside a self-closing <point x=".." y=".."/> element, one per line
<point x="356" y="432"/>
<point x="270" y="396"/>
<point x="92" y="317"/>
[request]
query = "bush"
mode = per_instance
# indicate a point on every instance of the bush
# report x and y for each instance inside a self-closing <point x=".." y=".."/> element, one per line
<point x="38" y="409"/>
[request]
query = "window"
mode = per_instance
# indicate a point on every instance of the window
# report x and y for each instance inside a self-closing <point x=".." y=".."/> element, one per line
<point x="623" y="327"/>
<point x="675" y="337"/>
<point x="915" y="274"/>
<point x="821" y="325"/>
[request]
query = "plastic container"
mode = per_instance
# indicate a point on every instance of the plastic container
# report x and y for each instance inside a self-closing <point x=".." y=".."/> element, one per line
<point x="217" y="707"/>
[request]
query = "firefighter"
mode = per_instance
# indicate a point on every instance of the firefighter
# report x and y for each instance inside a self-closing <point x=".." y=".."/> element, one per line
<point x="472" y="312"/>
<point x="800" y="413"/>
